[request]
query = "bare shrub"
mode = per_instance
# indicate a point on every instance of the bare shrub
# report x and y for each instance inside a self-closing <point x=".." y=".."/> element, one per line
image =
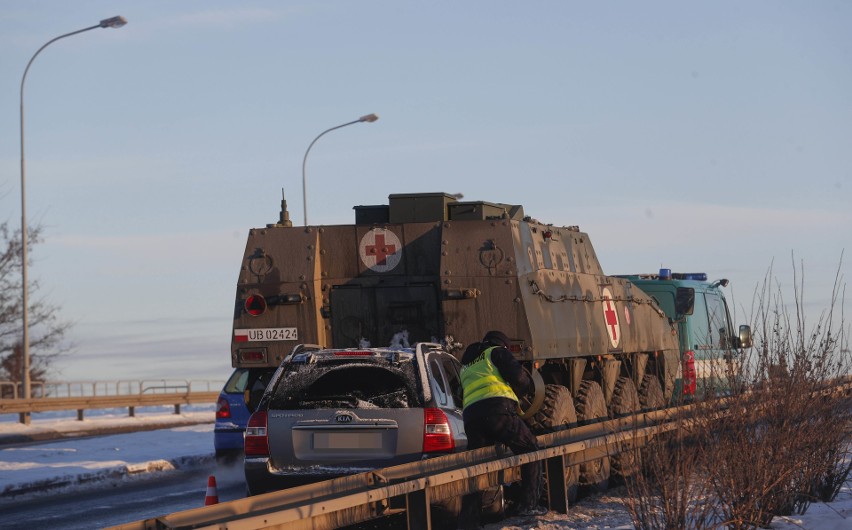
<point x="671" y="492"/>
<point x="780" y="440"/>
<point x="783" y="438"/>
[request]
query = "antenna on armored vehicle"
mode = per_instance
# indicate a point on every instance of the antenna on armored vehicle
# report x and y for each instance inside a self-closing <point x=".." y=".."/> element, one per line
<point x="284" y="217"/>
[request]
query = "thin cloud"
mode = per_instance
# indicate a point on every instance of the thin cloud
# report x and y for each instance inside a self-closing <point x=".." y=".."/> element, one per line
<point x="227" y="19"/>
<point x="671" y="223"/>
<point x="143" y="244"/>
<point x="150" y="254"/>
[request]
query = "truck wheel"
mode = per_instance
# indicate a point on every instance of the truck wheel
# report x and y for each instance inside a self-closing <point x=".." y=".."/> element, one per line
<point x="625" y="401"/>
<point x="591" y="407"/>
<point x="651" y="393"/>
<point x="493" y="505"/>
<point x="651" y="398"/>
<point x="625" y="398"/>
<point x="557" y="414"/>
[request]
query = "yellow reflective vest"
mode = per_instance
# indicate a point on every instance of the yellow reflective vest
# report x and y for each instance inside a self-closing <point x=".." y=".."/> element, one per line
<point x="482" y="380"/>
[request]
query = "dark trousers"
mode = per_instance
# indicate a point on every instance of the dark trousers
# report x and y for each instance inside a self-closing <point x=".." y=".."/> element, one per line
<point x="510" y="430"/>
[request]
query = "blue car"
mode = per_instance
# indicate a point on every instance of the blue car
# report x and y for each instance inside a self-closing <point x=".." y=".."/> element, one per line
<point x="232" y="412"/>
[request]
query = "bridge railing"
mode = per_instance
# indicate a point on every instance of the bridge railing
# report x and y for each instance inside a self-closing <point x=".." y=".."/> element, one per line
<point x="83" y="395"/>
<point x="122" y="387"/>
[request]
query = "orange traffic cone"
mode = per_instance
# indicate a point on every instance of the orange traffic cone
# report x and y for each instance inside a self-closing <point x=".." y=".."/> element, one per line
<point x="212" y="495"/>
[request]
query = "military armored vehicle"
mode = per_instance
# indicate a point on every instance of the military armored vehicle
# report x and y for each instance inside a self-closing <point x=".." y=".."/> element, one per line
<point x="427" y="267"/>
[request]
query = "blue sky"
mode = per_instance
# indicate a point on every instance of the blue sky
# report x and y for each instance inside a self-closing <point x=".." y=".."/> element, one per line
<point x="697" y="136"/>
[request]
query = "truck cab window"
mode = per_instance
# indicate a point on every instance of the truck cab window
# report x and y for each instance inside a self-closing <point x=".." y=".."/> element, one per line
<point x="699" y="328"/>
<point x="720" y="329"/>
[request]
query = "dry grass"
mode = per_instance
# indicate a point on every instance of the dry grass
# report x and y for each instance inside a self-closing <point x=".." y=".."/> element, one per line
<point x="670" y="492"/>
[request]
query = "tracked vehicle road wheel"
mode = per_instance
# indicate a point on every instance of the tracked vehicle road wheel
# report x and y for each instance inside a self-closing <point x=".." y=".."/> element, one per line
<point x="651" y="393"/>
<point x="591" y="407"/>
<point x="625" y="401"/>
<point x="557" y="413"/>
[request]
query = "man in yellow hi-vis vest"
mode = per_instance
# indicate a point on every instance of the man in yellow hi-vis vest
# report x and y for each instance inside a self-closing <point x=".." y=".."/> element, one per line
<point x="492" y="380"/>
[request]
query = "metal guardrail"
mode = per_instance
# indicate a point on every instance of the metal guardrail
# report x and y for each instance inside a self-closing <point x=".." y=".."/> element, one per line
<point x="81" y="396"/>
<point x="12" y="406"/>
<point x="45" y="389"/>
<point x="361" y="497"/>
<point x="357" y="498"/>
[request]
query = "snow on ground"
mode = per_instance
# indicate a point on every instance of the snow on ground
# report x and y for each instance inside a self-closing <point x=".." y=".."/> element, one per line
<point x="58" y="424"/>
<point x="79" y="459"/>
<point x="44" y="467"/>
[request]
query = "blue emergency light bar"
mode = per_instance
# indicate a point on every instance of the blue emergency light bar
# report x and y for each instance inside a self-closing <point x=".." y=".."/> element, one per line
<point x="697" y="276"/>
<point x="667" y="274"/>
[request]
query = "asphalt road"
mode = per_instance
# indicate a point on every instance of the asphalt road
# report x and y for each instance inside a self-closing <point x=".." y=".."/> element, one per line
<point x="129" y="501"/>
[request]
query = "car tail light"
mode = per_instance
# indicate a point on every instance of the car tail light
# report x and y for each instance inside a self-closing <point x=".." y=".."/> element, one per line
<point x="256" y="440"/>
<point x="437" y="435"/>
<point x="223" y="409"/>
<point x="359" y="353"/>
<point x="690" y="378"/>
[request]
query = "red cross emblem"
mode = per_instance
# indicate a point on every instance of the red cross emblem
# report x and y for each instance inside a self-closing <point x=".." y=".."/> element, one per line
<point x="380" y="250"/>
<point x="611" y="318"/>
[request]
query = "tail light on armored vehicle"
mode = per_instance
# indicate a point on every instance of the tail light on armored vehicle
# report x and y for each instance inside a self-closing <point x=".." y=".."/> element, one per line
<point x="689" y="374"/>
<point x="255" y="305"/>
<point x="257" y="355"/>
<point x="223" y="409"/>
<point x="256" y="441"/>
<point x="437" y="436"/>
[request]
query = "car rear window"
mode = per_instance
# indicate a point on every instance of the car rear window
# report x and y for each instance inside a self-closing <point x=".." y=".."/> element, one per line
<point x="347" y="384"/>
<point x="254" y="379"/>
<point x="238" y="381"/>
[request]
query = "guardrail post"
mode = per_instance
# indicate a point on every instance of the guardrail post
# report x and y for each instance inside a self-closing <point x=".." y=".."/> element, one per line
<point x="131" y="410"/>
<point x="417" y="511"/>
<point x="79" y="414"/>
<point x="556" y="493"/>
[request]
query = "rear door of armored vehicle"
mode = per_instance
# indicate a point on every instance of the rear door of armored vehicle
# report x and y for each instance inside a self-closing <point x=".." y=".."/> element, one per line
<point x="376" y="314"/>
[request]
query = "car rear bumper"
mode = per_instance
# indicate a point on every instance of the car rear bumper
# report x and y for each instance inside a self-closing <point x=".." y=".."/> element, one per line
<point x="228" y="439"/>
<point x="259" y="479"/>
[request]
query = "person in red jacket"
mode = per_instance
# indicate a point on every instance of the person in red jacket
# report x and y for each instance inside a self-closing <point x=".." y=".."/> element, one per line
<point x="492" y="380"/>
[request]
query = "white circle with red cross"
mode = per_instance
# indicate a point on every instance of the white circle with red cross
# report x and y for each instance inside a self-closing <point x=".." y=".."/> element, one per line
<point x="380" y="250"/>
<point x="611" y="318"/>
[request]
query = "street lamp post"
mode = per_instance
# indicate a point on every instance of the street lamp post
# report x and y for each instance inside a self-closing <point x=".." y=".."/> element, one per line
<point x="114" y="22"/>
<point x="369" y="118"/>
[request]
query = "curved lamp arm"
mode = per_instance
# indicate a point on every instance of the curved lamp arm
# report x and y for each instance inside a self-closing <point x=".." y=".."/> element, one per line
<point x="369" y="118"/>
